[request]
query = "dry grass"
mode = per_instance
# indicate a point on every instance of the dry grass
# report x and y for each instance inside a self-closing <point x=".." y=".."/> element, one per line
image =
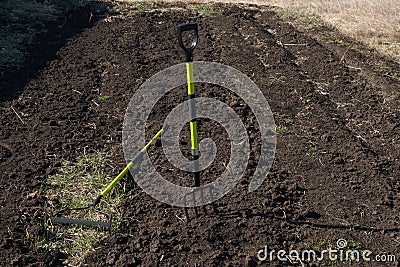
<point x="75" y="186"/>
<point x="374" y="22"/>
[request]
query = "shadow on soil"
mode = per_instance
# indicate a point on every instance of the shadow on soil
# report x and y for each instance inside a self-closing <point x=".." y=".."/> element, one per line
<point x="46" y="46"/>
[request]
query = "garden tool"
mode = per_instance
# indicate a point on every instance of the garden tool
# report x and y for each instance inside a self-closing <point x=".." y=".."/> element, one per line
<point x="192" y="27"/>
<point x="201" y="192"/>
<point x="103" y="224"/>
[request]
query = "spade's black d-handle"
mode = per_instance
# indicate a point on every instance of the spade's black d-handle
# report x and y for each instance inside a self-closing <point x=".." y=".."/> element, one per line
<point x="188" y="50"/>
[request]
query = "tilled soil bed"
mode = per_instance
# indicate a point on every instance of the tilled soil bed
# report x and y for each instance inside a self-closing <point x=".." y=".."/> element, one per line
<point x="336" y="169"/>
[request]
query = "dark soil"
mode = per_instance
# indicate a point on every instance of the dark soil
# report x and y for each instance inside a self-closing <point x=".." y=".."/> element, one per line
<point x="336" y="171"/>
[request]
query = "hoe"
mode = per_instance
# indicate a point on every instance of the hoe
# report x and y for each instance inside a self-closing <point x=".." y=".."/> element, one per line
<point x="197" y="192"/>
<point x="103" y="224"/>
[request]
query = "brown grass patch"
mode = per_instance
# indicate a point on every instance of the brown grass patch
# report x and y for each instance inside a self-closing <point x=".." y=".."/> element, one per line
<point x="376" y="23"/>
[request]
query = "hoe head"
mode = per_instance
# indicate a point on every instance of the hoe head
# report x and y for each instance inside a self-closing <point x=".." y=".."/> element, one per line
<point x="70" y="221"/>
<point x="199" y="194"/>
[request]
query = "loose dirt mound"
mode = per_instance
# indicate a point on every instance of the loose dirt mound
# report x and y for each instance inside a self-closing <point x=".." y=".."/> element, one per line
<point x="337" y="164"/>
